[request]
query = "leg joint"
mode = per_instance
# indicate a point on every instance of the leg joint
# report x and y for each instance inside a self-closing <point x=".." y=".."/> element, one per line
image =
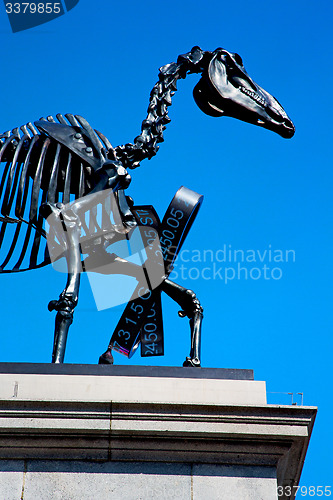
<point x="191" y="305"/>
<point x="65" y="305"/>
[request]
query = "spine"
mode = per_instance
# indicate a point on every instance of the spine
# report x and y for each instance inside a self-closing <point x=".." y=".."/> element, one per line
<point x="146" y="144"/>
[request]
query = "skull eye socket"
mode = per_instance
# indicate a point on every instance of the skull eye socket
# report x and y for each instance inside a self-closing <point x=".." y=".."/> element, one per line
<point x="238" y="59"/>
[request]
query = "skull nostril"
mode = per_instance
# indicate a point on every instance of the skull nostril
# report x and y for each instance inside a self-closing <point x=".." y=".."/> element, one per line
<point x="290" y="127"/>
<point x="288" y="123"/>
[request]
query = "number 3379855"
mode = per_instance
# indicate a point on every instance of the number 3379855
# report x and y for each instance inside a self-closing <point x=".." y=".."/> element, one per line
<point x="33" y="8"/>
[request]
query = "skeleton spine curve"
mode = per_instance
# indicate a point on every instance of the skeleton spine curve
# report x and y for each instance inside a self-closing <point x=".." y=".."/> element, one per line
<point x="145" y="144"/>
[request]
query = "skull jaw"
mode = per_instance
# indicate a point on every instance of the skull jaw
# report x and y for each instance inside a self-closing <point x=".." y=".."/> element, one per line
<point x="217" y="106"/>
<point x="216" y="95"/>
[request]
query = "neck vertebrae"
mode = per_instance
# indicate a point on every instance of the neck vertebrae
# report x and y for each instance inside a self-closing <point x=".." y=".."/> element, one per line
<point x="145" y="144"/>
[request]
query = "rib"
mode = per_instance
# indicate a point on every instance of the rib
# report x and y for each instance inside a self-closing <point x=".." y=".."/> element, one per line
<point x="12" y="180"/>
<point x="67" y="184"/>
<point x="24" y="181"/>
<point x="37" y="182"/>
<point x="13" y="245"/>
<point x="37" y="168"/>
<point x="51" y="195"/>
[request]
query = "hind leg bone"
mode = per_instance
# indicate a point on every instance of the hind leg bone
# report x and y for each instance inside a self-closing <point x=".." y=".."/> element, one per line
<point x="191" y="308"/>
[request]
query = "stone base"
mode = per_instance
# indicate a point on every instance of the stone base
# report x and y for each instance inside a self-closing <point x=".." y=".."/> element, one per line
<point x="83" y="433"/>
<point x="75" y="480"/>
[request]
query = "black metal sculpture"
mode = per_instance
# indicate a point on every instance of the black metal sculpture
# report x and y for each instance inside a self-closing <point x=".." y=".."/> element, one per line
<point x="46" y="170"/>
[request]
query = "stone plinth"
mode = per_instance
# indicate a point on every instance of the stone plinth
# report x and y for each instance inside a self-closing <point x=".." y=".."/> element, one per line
<point x="88" y="432"/>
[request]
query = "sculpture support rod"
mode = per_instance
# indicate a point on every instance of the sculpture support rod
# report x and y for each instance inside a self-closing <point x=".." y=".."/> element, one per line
<point x="62" y="323"/>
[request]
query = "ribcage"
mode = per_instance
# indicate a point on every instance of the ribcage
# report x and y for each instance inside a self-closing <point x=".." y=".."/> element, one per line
<point x="36" y="168"/>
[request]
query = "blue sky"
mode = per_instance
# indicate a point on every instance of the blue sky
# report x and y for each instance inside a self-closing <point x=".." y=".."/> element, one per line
<point x="261" y="192"/>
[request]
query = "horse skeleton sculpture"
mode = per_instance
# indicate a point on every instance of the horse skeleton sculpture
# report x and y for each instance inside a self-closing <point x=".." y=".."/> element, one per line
<point x="50" y="164"/>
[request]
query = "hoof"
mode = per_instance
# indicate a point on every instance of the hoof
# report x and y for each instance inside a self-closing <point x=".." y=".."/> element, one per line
<point x="106" y="358"/>
<point x="195" y="362"/>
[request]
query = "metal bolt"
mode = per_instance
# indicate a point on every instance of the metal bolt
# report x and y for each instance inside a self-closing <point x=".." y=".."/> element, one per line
<point x="78" y="136"/>
<point x="89" y="150"/>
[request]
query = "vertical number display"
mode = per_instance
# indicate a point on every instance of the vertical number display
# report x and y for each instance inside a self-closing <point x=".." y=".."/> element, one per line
<point x="152" y="342"/>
